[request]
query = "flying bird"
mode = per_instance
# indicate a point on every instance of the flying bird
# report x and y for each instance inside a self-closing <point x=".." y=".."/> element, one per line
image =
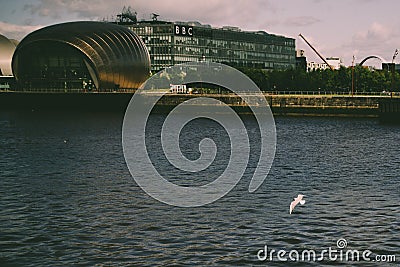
<point x="297" y="200"/>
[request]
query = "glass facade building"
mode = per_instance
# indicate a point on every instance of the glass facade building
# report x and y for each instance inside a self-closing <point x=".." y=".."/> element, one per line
<point x="173" y="43"/>
<point x="83" y="55"/>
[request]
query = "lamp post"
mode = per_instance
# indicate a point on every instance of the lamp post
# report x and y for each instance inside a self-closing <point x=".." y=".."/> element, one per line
<point x="352" y="77"/>
<point x="392" y="70"/>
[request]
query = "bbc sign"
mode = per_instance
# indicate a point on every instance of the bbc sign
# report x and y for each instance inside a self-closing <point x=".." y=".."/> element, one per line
<point x="183" y="30"/>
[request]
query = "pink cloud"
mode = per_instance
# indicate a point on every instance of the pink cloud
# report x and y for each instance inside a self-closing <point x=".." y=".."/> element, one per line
<point x="13" y="31"/>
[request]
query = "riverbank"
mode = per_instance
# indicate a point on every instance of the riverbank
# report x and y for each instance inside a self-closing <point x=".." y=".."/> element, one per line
<point x="300" y="105"/>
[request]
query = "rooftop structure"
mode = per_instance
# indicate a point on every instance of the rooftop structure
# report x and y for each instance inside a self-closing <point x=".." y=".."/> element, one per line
<point x="301" y="60"/>
<point x="334" y="62"/>
<point x="312" y="66"/>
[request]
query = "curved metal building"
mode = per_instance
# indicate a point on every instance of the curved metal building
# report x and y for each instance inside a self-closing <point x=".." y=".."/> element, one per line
<point x="7" y="48"/>
<point x="81" y="55"/>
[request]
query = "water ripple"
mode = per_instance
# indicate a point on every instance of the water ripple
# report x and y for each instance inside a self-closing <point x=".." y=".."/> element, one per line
<point x="74" y="203"/>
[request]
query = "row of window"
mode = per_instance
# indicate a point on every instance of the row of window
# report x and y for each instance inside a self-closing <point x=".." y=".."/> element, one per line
<point x="147" y="30"/>
<point x="163" y="49"/>
<point x="154" y="50"/>
<point x="226" y="56"/>
<point x="233" y="44"/>
<point x="164" y="59"/>
<point x="226" y="53"/>
<point x="161" y="64"/>
<point x="214" y="34"/>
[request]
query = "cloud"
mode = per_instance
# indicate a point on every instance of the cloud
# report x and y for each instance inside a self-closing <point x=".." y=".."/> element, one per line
<point x="215" y="12"/>
<point x="376" y="33"/>
<point x="249" y="15"/>
<point x="257" y="15"/>
<point x="301" y="21"/>
<point x="82" y="9"/>
<point x="378" y="38"/>
<point x="13" y="31"/>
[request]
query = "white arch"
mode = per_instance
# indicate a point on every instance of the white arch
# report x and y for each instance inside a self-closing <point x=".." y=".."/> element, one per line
<point x="372" y="57"/>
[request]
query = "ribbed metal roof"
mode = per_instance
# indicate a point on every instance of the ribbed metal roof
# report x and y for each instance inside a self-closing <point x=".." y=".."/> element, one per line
<point x="7" y="48"/>
<point x="118" y="55"/>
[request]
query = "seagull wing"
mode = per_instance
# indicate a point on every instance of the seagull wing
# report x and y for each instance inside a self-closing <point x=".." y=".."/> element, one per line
<point x="292" y="205"/>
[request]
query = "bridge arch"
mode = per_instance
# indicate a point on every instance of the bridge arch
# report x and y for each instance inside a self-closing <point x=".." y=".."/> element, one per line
<point x="371" y="57"/>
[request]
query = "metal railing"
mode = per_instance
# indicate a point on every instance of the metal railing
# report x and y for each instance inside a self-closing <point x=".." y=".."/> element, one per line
<point x="227" y="93"/>
<point x="50" y="90"/>
<point x="332" y="93"/>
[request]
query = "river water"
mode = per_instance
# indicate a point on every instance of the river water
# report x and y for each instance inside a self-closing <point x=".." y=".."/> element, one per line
<point x="68" y="199"/>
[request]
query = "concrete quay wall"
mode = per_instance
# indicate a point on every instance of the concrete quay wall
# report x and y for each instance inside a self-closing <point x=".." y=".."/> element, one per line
<point x="325" y="105"/>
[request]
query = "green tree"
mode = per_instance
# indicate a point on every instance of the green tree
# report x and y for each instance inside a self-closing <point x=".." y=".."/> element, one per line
<point x="365" y="80"/>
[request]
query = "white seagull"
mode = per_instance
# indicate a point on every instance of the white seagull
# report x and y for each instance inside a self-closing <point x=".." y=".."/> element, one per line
<point x="297" y="200"/>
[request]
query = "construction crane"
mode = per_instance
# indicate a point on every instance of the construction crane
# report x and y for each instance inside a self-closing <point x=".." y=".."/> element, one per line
<point x="316" y="52"/>
<point x="396" y="52"/>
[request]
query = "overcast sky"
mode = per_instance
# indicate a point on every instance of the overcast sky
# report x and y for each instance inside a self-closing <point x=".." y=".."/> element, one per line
<point x="339" y="28"/>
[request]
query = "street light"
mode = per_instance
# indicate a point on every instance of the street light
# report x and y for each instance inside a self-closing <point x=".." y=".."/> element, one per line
<point x="352" y="76"/>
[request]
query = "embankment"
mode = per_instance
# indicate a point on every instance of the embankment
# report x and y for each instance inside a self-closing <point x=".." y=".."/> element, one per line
<point x="302" y="105"/>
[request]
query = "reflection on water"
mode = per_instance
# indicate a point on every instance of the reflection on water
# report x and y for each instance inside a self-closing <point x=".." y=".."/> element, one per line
<point x="67" y="197"/>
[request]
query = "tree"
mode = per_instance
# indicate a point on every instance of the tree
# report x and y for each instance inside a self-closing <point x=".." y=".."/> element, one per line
<point x="365" y="80"/>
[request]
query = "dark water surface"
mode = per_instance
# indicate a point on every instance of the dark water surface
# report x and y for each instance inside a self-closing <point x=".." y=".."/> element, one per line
<point x="67" y="197"/>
